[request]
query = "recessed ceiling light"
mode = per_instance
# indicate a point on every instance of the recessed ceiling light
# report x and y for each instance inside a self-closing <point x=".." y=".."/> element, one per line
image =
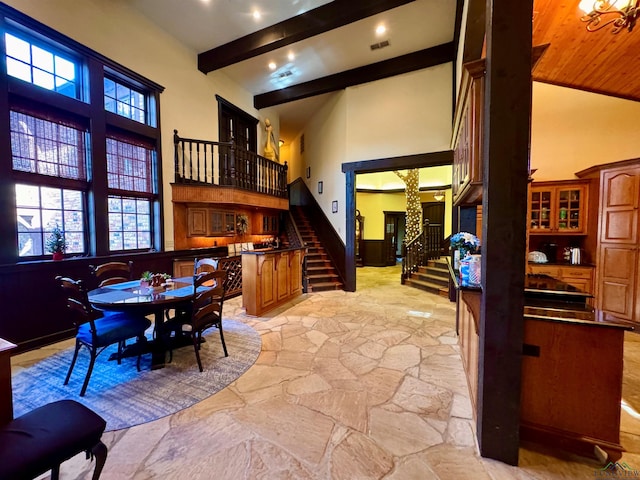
<point x="380" y="30"/>
<point x="291" y="56"/>
<point x="272" y="65"/>
<point x="256" y="15"/>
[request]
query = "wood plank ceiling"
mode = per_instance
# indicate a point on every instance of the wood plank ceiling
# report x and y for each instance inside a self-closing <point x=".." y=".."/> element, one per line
<point x="598" y="62"/>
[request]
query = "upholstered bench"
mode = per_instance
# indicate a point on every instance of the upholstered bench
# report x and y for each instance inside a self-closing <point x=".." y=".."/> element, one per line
<point x="42" y="439"/>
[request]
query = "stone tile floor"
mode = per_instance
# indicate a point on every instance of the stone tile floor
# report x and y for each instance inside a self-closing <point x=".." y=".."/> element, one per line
<point x="360" y="385"/>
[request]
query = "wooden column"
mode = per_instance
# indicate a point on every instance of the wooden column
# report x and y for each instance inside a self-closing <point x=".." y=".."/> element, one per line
<point x="6" y="393"/>
<point x="506" y="149"/>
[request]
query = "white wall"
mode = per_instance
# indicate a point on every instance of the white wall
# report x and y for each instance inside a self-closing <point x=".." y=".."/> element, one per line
<point x="120" y="33"/>
<point x="403" y="115"/>
<point x="572" y="130"/>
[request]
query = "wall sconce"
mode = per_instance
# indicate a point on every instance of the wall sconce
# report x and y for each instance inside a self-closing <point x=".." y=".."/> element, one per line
<point x="439" y="195"/>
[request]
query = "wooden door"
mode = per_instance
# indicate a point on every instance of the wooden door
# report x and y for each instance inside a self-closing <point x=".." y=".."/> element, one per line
<point x="282" y="275"/>
<point x="618" y="250"/>
<point x="394" y="227"/>
<point x="434" y="211"/>
<point x="619" y="206"/>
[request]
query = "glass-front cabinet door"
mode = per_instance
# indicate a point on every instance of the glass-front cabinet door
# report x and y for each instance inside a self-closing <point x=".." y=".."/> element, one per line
<point x="540" y="210"/>
<point x="569" y="212"/>
<point x="558" y="209"/>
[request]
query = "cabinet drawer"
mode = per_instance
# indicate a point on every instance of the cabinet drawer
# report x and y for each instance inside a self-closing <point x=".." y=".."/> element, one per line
<point x="550" y="270"/>
<point x="585" y="273"/>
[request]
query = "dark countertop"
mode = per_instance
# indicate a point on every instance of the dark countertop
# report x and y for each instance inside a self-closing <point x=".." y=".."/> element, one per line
<point x="562" y="264"/>
<point x="262" y="251"/>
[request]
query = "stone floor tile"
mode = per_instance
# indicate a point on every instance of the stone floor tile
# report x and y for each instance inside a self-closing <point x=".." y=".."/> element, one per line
<point x="401" y="433"/>
<point x="357" y="457"/>
<point x="302" y="432"/>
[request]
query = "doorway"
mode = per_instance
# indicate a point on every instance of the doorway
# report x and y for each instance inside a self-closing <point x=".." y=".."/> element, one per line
<point x="434" y="212"/>
<point x="394" y="230"/>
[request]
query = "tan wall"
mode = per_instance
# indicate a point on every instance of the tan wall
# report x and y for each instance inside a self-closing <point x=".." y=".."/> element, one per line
<point x="572" y="130"/>
<point x="373" y="205"/>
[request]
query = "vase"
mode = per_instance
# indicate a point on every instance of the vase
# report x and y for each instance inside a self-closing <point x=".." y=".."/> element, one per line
<point x="57" y="256"/>
<point x="474" y="270"/>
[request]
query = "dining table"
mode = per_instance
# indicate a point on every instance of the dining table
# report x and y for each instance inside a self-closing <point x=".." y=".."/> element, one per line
<point x="145" y="300"/>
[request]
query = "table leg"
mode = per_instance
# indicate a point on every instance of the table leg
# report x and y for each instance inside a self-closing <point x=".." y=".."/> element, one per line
<point x="160" y="347"/>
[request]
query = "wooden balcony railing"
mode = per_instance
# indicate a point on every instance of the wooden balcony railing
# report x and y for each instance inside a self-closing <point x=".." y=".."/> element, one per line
<point x="224" y="164"/>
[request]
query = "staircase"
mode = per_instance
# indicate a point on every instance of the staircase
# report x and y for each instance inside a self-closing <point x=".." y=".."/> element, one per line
<point x="434" y="277"/>
<point x="321" y="273"/>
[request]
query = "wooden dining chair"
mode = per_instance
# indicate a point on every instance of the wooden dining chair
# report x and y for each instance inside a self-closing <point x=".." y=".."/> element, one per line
<point x="204" y="312"/>
<point x="96" y="330"/>
<point x="112" y="272"/>
<point x="204" y="264"/>
<point x="199" y="266"/>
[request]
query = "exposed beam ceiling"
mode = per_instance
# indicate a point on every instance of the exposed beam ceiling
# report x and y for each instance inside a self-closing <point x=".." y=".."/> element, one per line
<point x="319" y="20"/>
<point x="426" y="58"/>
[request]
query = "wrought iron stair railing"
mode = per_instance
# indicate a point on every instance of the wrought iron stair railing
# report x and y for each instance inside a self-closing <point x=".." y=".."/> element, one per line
<point x="424" y="247"/>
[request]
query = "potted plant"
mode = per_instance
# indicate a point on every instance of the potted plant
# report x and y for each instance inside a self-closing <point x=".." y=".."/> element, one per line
<point x="56" y="243"/>
<point x="146" y="279"/>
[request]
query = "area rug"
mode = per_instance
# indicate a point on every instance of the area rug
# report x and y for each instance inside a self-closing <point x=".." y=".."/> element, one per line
<point x="125" y="397"/>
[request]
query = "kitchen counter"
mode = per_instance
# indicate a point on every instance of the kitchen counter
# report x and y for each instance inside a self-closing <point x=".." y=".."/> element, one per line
<point x="571" y="367"/>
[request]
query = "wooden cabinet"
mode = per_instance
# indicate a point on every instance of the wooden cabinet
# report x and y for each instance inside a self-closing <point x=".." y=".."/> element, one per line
<point x="468" y="309"/>
<point x="197" y="222"/>
<point x="183" y="268"/>
<point x="270" y="279"/>
<point x="466" y="184"/>
<point x="558" y="208"/>
<point x="209" y="222"/>
<point x="560" y="404"/>
<point x="618" y="269"/>
<point x="221" y="223"/>
<point x="267" y="223"/>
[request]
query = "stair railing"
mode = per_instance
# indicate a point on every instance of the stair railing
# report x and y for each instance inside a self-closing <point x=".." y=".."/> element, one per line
<point x="207" y="162"/>
<point x="424" y="247"/>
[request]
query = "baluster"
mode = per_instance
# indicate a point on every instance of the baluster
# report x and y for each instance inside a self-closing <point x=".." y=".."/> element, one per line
<point x="232" y="162"/>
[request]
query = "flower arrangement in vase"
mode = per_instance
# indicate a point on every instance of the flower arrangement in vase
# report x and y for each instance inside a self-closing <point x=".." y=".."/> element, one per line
<point x="56" y="244"/>
<point x="463" y="244"/>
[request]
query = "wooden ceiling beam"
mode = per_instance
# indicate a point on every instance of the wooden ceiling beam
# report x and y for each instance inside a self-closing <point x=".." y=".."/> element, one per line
<point x="319" y="20"/>
<point x="410" y="62"/>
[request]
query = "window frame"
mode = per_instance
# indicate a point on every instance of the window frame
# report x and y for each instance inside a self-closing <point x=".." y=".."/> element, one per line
<point x="91" y="69"/>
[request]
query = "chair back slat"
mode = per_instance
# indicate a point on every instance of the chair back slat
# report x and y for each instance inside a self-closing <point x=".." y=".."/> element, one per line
<point x="112" y="272"/>
<point x="204" y="265"/>
<point x="78" y="302"/>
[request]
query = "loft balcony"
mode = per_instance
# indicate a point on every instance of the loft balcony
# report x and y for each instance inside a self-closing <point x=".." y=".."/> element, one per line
<point x="223" y="173"/>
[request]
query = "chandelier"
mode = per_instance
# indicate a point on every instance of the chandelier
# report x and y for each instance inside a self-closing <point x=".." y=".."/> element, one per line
<point x="621" y="14"/>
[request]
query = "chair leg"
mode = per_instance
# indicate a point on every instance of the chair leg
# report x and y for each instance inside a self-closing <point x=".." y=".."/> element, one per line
<point x="196" y="347"/>
<point x="120" y="346"/>
<point x="224" y="345"/>
<point x="140" y="346"/>
<point x="94" y="354"/>
<point x="55" y="472"/>
<point x="73" y="362"/>
<point x="99" y="451"/>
